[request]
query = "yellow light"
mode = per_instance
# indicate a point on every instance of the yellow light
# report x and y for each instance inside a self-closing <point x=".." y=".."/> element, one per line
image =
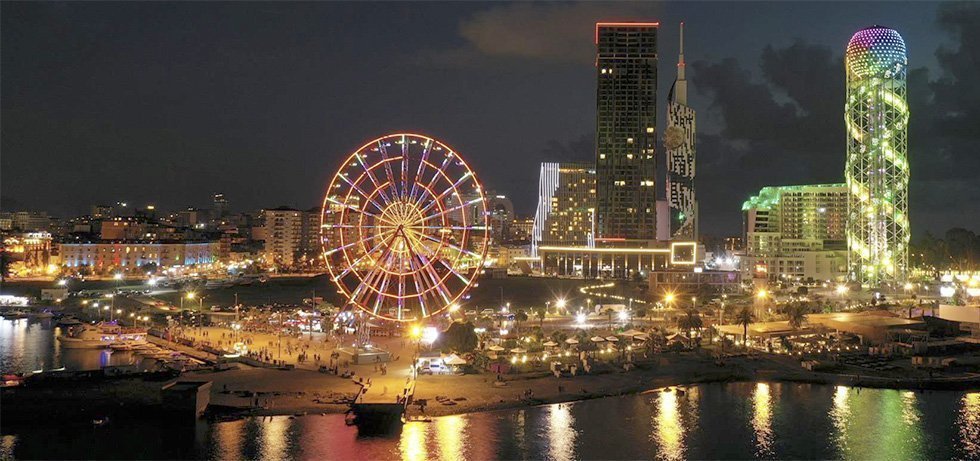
<point x="191" y="295"/>
<point x="762" y="294"/>
<point x="841" y="289"/>
<point x="454" y="308"/>
<point x="416" y="331"/>
<point x="669" y="297"/>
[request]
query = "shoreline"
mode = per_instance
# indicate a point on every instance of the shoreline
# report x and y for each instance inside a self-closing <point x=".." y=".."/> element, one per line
<point x="297" y="392"/>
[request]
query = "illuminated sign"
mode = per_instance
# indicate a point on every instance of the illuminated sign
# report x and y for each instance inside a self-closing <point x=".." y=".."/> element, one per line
<point x="684" y="253"/>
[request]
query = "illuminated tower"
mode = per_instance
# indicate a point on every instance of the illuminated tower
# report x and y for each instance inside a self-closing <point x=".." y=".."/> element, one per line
<point x="876" y="116"/>
<point x="626" y="130"/>
<point x="679" y="139"/>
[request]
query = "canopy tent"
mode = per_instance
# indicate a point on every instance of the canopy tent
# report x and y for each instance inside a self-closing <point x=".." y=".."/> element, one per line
<point x="642" y="337"/>
<point x="571" y="341"/>
<point x="598" y="339"/>
<point x="549" y="344"/>
<point x="631" y="333"/>
<point x="454" y="359"/>
<point x="612" y="339"/>
<point x="518" y="350"/>
<point x="495" y="348"/>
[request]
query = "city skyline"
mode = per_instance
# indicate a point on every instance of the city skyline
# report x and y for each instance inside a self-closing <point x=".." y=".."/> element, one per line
<point x="40" y="160"/>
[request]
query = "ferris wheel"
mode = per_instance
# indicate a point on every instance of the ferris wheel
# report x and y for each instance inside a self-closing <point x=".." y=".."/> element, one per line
<point x="404" y="227"/>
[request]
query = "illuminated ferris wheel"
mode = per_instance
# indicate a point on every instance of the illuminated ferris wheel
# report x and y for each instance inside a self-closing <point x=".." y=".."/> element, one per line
<point x="404" y="227"/>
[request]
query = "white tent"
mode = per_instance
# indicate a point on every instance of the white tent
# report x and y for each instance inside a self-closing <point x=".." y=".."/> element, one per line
<point x="598" y="339"/>
<point x="454" y="359"/>
<point x="612" y="339"/>
<point x="571" y="341"/>
<point x="631" y="333"/>
<point x="495" y="348"/>
<point x="549" y="344"/>
<point x="518" y="350"/>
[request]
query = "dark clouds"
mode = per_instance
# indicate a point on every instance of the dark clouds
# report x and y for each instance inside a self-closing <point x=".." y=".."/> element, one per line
<point x="168" y="102"/>
<point x="785" y="126"/>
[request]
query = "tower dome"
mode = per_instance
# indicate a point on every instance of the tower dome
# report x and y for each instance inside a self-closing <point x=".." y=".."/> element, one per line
<point x="876" y="51"/>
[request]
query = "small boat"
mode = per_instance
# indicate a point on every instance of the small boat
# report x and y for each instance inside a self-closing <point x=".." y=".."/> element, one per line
<point x="44" y="315"/>
<point x="15" y="314"/>
<point x="69" y="321"/>
<point x="122" y="346"/>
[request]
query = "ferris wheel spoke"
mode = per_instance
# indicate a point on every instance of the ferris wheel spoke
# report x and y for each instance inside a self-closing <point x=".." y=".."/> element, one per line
<point x="461" y="277"/>
<point x="455" y="247"/>
<point x="354" y="208"/>
<point x="436" y="281"/>
<point x="374" y="180"/>
<point x="348" y="245"/>
<point x="363" y="194"/>
<point x="386" y="160"/>
<point x="424" y="159"/>
<point x="453" y="187"/>
<point x="450" y="210"/>
<point x="432" y="181"/>
<point x="404" y="167"/>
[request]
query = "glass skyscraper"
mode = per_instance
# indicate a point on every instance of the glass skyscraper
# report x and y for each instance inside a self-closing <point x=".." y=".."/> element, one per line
<point x="626" y="130"/>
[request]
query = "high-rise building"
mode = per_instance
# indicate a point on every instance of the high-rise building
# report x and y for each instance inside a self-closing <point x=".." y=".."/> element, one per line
<point x="566" y="205"/>
<point x="876" y="116"/>
<point x="626" y="130"/>
<point x="283" y="233"/>
<point x="220" y="206"/>
<point x="680" y="141"/>
<point x="797" y="231"/>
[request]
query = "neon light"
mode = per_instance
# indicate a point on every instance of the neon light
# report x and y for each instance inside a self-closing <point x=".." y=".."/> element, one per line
<point x="876" y="116"/>
<point x="622" y="24"/>
<point x="683" y="262"/>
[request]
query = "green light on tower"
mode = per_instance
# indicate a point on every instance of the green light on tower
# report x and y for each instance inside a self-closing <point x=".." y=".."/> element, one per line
<point x="876" y="116"/>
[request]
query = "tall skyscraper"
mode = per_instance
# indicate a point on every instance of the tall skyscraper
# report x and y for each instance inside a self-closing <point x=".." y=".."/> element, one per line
<point x="626" y="130"/>
<point x="566" y="205"/>
<point x="876" y="116"/>
<point x="680" y="141"/>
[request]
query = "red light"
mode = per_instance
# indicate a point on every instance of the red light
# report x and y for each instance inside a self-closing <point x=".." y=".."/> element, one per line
<point x="622" y="24"/>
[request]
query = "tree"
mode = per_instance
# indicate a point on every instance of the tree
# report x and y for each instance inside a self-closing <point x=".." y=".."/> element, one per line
<point x="744" y="317"/>
<point x="459" y="337"/>
<point x="796" y="314"/>
<point x="691" y="321"/>
<point x="641" y="312"/>
<point x="540" y="313"/>
<point x="519" y="317"/>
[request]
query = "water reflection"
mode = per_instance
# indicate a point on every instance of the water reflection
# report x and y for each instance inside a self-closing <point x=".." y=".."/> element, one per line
<point x="228" y="438"/>
<point x="561" y="432"/>
<point x="762" y="420"/>
<point x="969" y="424"/>
<point x="275" y="444"/>
<point x="449" y="433"/>
<point x="412" y="442"/>
<point x="840" y="414"/>
<point x="780" y="420"/>
<point x="669" y="431"/>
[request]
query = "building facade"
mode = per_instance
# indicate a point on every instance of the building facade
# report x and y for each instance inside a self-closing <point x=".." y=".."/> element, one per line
<point x="680" y="139"/>
<point x="103" y="257"/>
<point x="876" y="116"/>
<point x="796" y="232"/>
<point x="626" y="130"/>
<point x="566" y="205"/>
<point x="283" y="234"/>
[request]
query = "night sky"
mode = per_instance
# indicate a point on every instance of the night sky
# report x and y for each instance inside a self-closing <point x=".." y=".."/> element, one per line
<point x="167" y="103"/>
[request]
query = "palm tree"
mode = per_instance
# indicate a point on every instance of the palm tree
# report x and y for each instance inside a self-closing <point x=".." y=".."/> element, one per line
<point x="796" y="314"/>
<point x="744" y="317"/>
<point x="691" y="321"/>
